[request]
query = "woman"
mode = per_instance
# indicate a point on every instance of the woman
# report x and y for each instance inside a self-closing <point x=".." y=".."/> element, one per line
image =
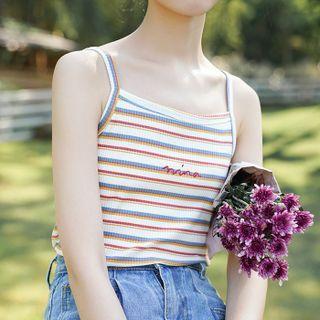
<point x="144" y="130"/>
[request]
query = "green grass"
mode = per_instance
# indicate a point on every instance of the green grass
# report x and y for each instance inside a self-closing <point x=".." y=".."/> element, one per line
<point x="291" y="149"/>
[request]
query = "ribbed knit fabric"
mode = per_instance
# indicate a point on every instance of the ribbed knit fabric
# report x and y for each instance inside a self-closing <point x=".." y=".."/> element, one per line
<point x="160" y="169"/>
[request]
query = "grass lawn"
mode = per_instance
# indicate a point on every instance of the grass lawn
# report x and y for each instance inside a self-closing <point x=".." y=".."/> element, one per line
<point x="291" y="149"/>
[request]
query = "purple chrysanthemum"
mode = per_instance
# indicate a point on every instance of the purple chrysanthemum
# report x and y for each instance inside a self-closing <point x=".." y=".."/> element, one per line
<point x="291" y="201"/>
<point x="279" y="207"/>
<point x="283" y="223"/>
<point x="248" y="213"/>
<point x="229" y="230"/>
<point x="282" y="271"/>
<point x="267" y="211"/>
<point x="229" y="244"/>
<point x="260" y="233"/>
<point x="247" y="264"/>
<point x="287" y="238"/>
<point x="256" y="247"/>
<point x="304" y="220"/>
<point x="226" y="211"/>
<point x="268" y="229"/>
<point x="267" y="267"/>
<point x="262" y="194"/>
<point x="256" y="209"/>
<point x="278" y="247"/>
<point x="261" y="225"/>
<point x="247" y="232"/>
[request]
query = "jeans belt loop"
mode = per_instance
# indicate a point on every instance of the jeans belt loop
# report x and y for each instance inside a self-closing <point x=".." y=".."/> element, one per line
<point x="203" y="269"/>
<point x="49" y="271"/>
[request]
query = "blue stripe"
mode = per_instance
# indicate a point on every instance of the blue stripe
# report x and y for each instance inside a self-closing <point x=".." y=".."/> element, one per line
<point x="142" y="239"/>
<point x="153" y="259"/>
<point x="142" y="107"/>
<point x="114" y="93"/>
<point x="171" y="194"/>
<point x="149" y="166"/>
<point x="168" y="145"/>
<point x="174" y="121"/>
<point x="147" y="214"/>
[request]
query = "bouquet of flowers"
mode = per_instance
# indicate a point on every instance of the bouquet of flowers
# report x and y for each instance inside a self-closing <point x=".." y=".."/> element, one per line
<point x="256" y="221"/>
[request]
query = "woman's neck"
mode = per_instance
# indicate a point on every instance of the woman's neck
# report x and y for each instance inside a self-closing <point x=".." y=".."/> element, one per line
<point x="168" y="36"/>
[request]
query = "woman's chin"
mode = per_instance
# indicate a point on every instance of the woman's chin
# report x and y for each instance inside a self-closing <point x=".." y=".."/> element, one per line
<point x="188" y="7"/>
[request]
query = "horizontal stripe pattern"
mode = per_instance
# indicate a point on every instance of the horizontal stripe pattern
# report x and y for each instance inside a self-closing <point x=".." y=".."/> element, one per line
<point x="159" y="172"/>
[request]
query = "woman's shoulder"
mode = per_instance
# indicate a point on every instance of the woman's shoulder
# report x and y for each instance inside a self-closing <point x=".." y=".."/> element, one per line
<point x="83" y="73"/>
<point x="243" y="91"/>
<point x="78" y="63"/>
<point x="246" y="104"/>
<point x="245" y="97"/>
<point x="85" y="66"/>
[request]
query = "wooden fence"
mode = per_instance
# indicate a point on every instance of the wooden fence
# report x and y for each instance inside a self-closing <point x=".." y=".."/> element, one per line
<point x="23" y="112"/>
<point x="286" y="91"/>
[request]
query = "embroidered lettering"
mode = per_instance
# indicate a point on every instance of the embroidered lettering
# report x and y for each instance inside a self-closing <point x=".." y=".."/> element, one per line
<point x="181" y="172"/>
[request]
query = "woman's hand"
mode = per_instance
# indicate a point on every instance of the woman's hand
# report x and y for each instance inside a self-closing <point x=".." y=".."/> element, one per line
<point x="246" y="296"/>
<point x="79" y="86"/>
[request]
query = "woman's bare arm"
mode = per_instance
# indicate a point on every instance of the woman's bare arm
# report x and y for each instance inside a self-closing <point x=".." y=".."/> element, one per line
<point x="246" y="296"/>
<point x="79" y="85"/>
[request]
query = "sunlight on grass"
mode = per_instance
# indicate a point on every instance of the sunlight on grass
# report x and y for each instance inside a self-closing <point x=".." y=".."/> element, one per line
<point x="291" y="150"/>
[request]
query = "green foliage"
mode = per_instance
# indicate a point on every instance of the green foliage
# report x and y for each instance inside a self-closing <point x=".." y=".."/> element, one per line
<point x="222" y="33"/>
<point x="277" y="31"/>
<point x="89" y="22"/>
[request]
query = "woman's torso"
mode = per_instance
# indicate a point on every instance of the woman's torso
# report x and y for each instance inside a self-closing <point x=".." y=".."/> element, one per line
<point x="159" y="171"/>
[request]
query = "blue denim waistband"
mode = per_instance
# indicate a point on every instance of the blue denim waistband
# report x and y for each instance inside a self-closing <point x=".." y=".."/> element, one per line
<point x="62" y="268"/>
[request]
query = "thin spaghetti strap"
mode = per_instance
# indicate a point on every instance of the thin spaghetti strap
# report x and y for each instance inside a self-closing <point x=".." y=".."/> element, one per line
<point x="113" y="84"/>
<point x="229" y="92"/>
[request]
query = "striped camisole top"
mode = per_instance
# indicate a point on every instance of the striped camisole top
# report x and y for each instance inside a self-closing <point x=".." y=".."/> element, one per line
<point x="160" y="170"/>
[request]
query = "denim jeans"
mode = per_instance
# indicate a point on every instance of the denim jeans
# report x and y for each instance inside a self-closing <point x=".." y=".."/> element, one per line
<point x="153" y="292"/>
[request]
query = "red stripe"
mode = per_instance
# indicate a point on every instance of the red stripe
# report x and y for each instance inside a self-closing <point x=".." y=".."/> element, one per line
<point x="157" y="203"/>
<point x="160" y="180"/>
<point x="169" y="132"/>
<point x="153" y="227"/>
<point x="163" y="220"/>
<point x="154" y="248"/>
<point x="161" y="156"/>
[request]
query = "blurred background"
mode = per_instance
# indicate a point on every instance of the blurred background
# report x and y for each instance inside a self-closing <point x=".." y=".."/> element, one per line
<point x="274" y="45"/>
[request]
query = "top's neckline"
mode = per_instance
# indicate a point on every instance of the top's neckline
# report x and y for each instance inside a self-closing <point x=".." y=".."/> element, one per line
<point x="118" y="91"/>
<point x="155" y="106"/>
